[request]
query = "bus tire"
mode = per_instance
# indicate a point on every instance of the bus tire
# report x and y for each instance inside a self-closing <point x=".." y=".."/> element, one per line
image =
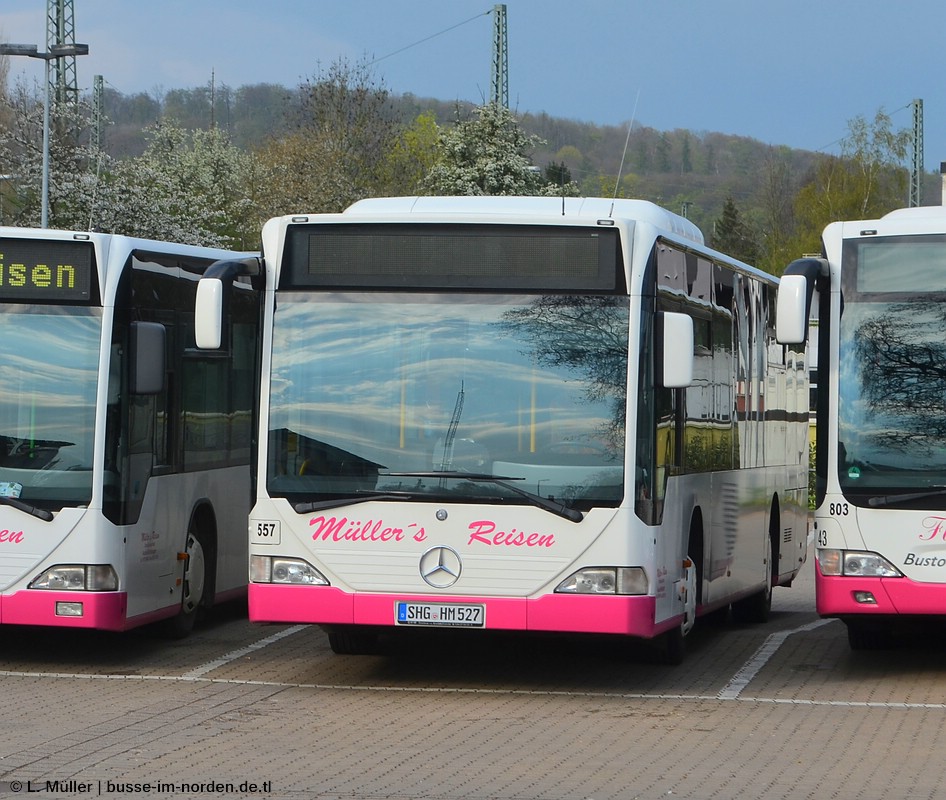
<point x="670" y="647"/>
<point x="867" y="637"/>
<point x="194" y="586"/>
<point x="346" y="641"/>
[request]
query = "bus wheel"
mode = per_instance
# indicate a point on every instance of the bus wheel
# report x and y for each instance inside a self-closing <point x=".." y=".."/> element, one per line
<point x="671" y="645"/>
<point x="352" y="642"/>
<point x="867" y="637"/>
<point x="193" y="587"/>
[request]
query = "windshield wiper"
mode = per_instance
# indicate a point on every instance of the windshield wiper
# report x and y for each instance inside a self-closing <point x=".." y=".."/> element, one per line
<point x="889" y="499"/>
<point x="351" y="500"/>
<point x="42" y="513"/>
<point x="500" y="480"/>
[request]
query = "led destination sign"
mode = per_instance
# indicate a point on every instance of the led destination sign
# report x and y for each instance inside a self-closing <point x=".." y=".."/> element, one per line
<point x="45" y="270"/>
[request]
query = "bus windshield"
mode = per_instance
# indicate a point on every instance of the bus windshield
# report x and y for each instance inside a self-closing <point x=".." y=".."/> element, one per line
<point x="48" y="368"/>
<point x="892" y="367"/>
<point x="449" y="397"/>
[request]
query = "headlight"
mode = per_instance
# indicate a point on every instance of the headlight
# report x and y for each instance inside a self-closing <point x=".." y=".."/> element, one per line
<point x="856" y="563"/>
<point x="605" y="580"/>
<point x="270" y="569"/>
<point x="78" y="578"/>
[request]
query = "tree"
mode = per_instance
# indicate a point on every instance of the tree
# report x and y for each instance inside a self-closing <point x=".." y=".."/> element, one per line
<point x="558" y="174"/>
<point x="663" y="153"/>
<point x="21" y="160"/>
<point x="732" y="236"/>
<point x="192" y="187"/>
<point x="775" y="213"/>
<point x="413" y="154"/>
<point x="488" y="154"/>
<point x="344" y="132"/>
<point x="686" y="159"/>
<point x="866" y="181"/>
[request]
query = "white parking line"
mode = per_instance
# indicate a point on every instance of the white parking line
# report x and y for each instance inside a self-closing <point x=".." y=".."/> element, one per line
<point x="750" y="669"/>
<point x="279" y="685"/>
<point x="731" y="692"/>
<point x="233" y="655"/>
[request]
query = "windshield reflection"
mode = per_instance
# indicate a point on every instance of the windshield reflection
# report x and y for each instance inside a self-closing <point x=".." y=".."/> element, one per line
<point x="892" y="395"/>
<point x="48" y="367"/>
<point x="530" y="389"/>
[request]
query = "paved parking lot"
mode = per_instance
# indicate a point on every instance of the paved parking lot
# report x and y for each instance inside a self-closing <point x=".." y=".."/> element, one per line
<point x="784" y="710"/>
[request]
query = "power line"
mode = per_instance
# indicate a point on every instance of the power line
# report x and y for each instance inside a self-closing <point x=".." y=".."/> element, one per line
<point x="428" y="38"/>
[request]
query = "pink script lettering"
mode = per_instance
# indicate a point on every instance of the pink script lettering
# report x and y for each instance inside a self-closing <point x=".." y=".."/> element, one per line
<point x="14" y="537"/>
<point x="936" y="527"/>
<point x="484" y="531"/>
<point x="342" y="529"/>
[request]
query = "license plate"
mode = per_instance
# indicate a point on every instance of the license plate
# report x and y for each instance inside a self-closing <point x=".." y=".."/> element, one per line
<point x="442" y="614"/>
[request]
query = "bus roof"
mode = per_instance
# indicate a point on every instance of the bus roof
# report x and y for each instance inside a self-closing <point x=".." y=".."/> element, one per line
<point x="555" y="208"/>
<point x="916" y="221"/>
<point x="918" y="212"/>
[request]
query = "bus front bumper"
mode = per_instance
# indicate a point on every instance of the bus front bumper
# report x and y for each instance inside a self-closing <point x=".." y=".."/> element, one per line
<point x="564" y="613"/>
<point x="843" y="596"/>
<point x="100" y="610"/>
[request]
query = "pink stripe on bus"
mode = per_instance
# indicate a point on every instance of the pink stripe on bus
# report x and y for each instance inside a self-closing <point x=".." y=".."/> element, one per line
<point x="835" y="596"/>
<point x="102" y="610"/>
<point x="565" y="613"/>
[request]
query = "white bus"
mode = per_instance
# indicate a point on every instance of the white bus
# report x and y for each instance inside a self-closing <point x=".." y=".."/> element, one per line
<point x="124" y="450"/>
<point x="526" y="414"/>
<point x="880" y="298"/>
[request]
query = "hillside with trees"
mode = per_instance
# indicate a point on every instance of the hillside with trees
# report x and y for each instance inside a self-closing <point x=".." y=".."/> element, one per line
<point x="210" y="164"/>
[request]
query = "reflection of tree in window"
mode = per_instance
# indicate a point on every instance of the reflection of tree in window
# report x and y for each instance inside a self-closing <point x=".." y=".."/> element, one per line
<point x="902" y="368"/>
<point x="586" y="335"/>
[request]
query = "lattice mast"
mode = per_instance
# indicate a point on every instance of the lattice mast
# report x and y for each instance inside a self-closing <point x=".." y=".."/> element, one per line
<point x="500" y="70"/>
<point x="916" y="171"/>
<point x="98" y="113"/>
<point x="61" y="30"/>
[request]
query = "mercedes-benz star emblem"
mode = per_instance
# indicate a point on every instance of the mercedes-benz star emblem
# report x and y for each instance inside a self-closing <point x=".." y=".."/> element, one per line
<point x="440" y="567"/>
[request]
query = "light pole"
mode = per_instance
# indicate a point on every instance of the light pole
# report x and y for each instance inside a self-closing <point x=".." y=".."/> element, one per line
<point x="55" y="51"/>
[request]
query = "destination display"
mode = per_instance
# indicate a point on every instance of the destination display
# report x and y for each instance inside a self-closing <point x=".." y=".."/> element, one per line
<point x="452" y="256"/>
<point x="41" y="270"/>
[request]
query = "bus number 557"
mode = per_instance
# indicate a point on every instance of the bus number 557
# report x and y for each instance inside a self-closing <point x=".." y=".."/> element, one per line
<point x="267" y="533"/>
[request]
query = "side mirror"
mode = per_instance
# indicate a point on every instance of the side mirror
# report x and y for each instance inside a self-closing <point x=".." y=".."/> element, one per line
<point x="675" y="342"/>
<point x="208" y="313"/>
<point x="791" y="312"/>
<point x="147" y="358"/>
<point x="795" y="291"/>
<point x="210" y="305"/>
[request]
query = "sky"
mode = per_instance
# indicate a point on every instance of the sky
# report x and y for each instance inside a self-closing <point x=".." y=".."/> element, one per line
<point x="784" y="72"/>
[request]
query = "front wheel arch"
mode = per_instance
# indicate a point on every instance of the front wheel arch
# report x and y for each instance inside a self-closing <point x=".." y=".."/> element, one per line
<point x="670" y="646"/>
<point x="198" y="573"/>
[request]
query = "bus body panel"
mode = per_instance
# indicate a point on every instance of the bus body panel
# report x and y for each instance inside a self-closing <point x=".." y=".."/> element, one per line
<point x="518" y="552"/>
<point x="26" y="542"/>
<point x="151" y="559"/>
<point x="145" y="554"/>
<point x="912" y="541"/>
